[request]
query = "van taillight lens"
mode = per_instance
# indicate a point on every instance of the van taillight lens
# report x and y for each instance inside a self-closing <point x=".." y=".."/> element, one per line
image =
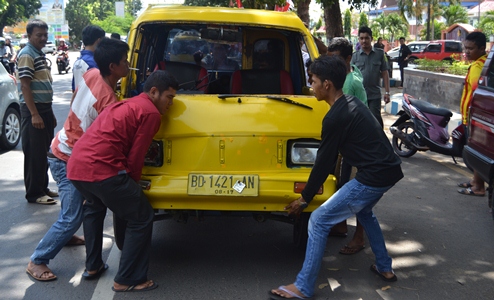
<point x="154" y="156"/>
<point x="483" y="81"/>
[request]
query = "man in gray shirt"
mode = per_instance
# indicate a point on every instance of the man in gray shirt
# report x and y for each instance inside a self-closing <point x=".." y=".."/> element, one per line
<point x="373" y="65"/>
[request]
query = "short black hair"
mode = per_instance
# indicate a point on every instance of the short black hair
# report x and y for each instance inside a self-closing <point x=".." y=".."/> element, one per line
<point x="91" y="33"/>
<point x="365" y="29"/>
<point x="478" y="38"/>
<point x="162" y="80"/>
<point x="36" y="23"/>
<point x="115" y="36"/>
<point x="402" y="38"/>
<point x="341" y="44"/>
<point x="331" y="68"/>
<point x="109" y="51"/>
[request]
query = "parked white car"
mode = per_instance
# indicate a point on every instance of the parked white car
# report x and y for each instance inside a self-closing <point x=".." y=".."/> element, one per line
<point x="10" y="126"/>
<point x="49" y="48"/>
<point x="415" y="47"/>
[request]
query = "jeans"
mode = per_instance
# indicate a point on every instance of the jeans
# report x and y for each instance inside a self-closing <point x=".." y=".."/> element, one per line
<point x="353" y="198"/>
<point x="69" y="219"/>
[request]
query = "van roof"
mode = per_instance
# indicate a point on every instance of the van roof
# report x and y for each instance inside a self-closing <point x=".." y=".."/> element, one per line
<point x="194" y="14"/>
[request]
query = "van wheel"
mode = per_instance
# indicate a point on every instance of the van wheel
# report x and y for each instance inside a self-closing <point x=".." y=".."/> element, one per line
<point x="300" y="231"/>
<point x="119" y="227"/>
<point x="11" y="129"/>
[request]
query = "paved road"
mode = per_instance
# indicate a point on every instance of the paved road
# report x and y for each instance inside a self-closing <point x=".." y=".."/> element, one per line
<point x="441" y="243"/>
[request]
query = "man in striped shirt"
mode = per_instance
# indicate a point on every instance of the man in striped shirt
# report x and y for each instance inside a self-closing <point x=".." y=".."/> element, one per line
<point x="92" y="96"/>
<point x="37" y="119"/>
<point x="475" y="51"/>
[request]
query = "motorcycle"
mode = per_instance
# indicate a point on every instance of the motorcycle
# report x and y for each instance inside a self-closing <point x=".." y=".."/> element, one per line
<point x="63" y="63"/>
<point x="5" y="63"/>
<point x="423" y="126"/>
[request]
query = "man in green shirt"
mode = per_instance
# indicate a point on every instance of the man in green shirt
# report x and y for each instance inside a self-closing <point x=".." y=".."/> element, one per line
<point x="373" y="64"/>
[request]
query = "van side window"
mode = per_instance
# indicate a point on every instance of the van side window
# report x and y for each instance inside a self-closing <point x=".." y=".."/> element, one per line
<point x="434" y="48"/>
<point x="490" y="76"/>
<point x="453" y="47"/>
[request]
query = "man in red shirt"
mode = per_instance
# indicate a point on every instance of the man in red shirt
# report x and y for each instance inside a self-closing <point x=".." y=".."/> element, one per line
<point x="106" y="165"/>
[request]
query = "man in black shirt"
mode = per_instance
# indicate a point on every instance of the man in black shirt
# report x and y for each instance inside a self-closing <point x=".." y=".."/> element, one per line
<point x="349" y="128"/>
<point x="403" y="56"/>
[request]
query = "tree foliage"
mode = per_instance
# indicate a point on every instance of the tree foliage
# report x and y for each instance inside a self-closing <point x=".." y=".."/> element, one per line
<point x="81" y="13"/>
<point x="438" y="27"/>
<point x="363" y="20"/>
<point x="454" y="14"/>
<point x="414" y="8"/>
<point x="13" y="11"/>
<point x="347" y="23"/>
<point x="487" y="24"/>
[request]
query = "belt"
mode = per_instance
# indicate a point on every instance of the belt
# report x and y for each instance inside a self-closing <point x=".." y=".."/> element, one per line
<point x="50" y="155"/>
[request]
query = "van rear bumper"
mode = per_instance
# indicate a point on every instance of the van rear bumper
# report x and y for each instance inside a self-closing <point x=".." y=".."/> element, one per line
<point x="480" y="163"/>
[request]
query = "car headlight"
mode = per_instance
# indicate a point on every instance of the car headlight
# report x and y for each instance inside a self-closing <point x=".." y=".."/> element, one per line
<point x="303" y="153"/>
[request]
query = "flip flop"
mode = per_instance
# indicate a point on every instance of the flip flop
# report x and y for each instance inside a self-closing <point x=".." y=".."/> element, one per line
<point x="33" y="274"/>
<point x="284" y="289"/>
<point x="470" y="192"/>
<point x="132" y="288"/>
<point x="351" y="250"/>
<point x="373" y="268"/>
<point x="101" y="270"/>
<point x="45" y="200"/>
<point x="464" y="184"/>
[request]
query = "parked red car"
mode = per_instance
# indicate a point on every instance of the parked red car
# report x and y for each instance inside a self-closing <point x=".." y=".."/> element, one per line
<point x="478" y="154"/>
<point x="439" y="50"/>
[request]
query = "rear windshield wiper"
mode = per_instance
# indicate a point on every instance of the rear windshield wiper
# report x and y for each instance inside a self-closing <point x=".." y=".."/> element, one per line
<point x="282" y="99"/>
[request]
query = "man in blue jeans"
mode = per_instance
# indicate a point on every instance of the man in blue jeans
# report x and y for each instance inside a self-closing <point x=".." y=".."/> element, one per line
<point x="349" y="128"/>
<point x="93" y="94"/>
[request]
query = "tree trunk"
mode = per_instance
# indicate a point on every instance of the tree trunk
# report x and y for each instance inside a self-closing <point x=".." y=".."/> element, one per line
<point x="333" y="22"/>
<point x="303" y="11"/>
<point x="428" y="37"/>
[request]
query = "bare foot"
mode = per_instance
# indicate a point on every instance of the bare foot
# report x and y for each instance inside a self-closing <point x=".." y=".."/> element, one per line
<point x="40" y="272"/>
<point x="288" y="292"/>
<point x="76" y="240"/>
<point x="148" y="285"/>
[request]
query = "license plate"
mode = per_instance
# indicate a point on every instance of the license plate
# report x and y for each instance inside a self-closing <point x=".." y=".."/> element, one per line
<point x="223" y="185"/>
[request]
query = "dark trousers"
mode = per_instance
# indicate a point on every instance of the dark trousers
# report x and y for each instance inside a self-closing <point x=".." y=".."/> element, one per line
<point x="375" y="108"/>
<point x="125" y="198"/>
<point x="35" y="145"/>
<point x="402" y="66"/>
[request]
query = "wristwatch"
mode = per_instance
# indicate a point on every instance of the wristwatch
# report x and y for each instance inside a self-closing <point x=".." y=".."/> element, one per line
<point x="303" y="205"/>
<point x="387" y="93"/>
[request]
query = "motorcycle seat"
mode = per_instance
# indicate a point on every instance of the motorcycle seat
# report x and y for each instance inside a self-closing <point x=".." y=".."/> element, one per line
<point x="426" y="107"/>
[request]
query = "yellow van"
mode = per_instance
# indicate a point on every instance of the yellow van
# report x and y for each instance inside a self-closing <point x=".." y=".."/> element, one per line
<point x="244" y="129"/>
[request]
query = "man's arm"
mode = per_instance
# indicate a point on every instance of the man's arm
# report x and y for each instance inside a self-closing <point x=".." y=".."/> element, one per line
<point x="142" y="139"/>
<point x="385" y="76"/>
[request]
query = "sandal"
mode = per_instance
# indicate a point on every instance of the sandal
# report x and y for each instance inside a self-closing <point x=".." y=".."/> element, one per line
<point x="38" y="272"/>
<point x="470" y="192"/>
<point x="464" y="184"/>
<point x="351" y="250"/>
<point x="45" y="200"/>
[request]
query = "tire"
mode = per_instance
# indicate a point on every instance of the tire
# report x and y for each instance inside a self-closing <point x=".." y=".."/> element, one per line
<point x="408" y="128"/>
<point x="11" y="129"/>
<point x="412" y="60"/>
<point x="300" y="231"/>
<point x="119" y="227"/>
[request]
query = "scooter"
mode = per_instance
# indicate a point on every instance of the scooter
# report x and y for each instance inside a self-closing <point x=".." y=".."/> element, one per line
<point x="5" y="63"/>
<point x="62" y="62"/>
<point x="423" y="126"/>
